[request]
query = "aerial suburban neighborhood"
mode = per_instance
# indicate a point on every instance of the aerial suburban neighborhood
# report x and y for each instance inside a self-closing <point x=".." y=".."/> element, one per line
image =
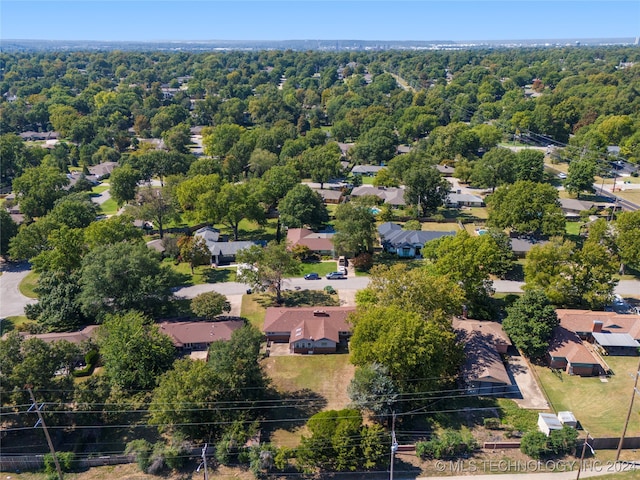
<point x="268" y="263"/>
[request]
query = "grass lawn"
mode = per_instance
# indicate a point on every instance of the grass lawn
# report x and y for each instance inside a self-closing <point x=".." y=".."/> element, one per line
<point x="600" y="407"/>
<point x="321" y="268"/>
<point x="325" y="375"/>
<point x="110" y="207"/>
<point x="100" y="188"/>
<point x="573" y="228"/>
<point x="440" y="227"/>
<point x="631" y="195"/>
<point x="12" y="323"/>
<point x="253" y="310"/>
<point x="28" y="284"/>
<point x="202" y="273"/>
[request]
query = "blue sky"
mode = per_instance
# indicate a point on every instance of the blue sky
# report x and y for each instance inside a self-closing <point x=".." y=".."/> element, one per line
<point x="151" y="20"/>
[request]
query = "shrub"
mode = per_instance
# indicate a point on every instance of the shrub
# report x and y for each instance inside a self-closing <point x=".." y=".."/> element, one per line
<point x="561" y="442"/>
<point x="412" y="225"/>
<point x="439" y="218"/>
<point x="450" y="444"/>
<point x="142" y="450"/>
<point x="492" y="423"/>
<point x="363" y="262"/>
<point x="90" y="360"/>
<point x="65" y="459"/>
<point x="534" y="444"/>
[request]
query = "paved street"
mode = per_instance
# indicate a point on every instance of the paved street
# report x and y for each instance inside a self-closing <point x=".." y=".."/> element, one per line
<point x="12" y="302"/>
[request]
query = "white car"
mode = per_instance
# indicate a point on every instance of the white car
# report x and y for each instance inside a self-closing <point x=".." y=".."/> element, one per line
<point x="562" y="175"/>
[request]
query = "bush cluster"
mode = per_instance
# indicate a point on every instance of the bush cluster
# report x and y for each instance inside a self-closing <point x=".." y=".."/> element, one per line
<point x="560" y="442"/>
<point x="449" y="444"/>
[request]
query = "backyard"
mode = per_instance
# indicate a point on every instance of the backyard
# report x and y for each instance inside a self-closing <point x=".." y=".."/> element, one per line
<point x="599" y="406"/>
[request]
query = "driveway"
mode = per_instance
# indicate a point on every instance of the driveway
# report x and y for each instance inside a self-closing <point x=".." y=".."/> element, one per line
<point x="12" y="302"/>
<point x="531" y="396"/>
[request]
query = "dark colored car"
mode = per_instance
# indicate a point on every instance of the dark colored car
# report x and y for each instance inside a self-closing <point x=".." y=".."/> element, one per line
<point x="312" y="276"/>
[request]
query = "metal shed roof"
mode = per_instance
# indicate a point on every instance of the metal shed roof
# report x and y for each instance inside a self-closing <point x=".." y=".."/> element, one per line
<point x="615" y="340"/>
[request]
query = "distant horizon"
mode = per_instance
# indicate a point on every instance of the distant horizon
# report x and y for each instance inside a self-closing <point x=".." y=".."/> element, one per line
<point x="317" y="20"/>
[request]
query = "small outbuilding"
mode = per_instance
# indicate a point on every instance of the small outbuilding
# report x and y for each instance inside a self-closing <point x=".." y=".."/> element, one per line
<point x="567" y="418"/>
<point x="548" y="422"/>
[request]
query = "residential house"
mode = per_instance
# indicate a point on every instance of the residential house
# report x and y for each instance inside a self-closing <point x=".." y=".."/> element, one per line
<point x="77" y="337"/>
<point x="39" y="136"/>
<point x="102" y="170"/>
<point x="369" y="170"/>
<point x="319" y="243"/>
<point x="458" y="200"/>
<point x="345" y="147"/>
<point x="393" y="196"/>
<point x="522" y="245"/>
<point x="484" y="372"/>
<point x="567" y="352"/>
<point x="198" y="336"/>
<point x="403" y="149"/>
<point x="222" y="253"/>
<point x="330" y="196"/>
<point x="309" y="329"/>
<point x="611" y="333"/>
<point x="445" y="170"/>
<point x="572" y="207"/>
<point x="406" y="243"/>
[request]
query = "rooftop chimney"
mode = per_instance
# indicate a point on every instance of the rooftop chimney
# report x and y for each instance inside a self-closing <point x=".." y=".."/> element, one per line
<point x="597" y="326"/>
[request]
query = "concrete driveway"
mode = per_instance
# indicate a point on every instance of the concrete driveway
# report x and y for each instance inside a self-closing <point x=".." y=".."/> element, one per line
<point x="531" y="396"/>
<point x="12" y="302"/>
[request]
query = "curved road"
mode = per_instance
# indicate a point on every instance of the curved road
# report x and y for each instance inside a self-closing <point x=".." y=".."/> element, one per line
<point x="12" y="302"/>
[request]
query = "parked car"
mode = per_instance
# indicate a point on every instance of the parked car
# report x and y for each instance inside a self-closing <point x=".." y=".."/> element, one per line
<point x="562" y="176"/>
<point x="312" y="276"/>
<point x="336" y="276"/>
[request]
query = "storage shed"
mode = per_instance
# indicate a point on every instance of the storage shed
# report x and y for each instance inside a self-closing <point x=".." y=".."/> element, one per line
<point x="548" y="422"/>
<point x="567" y="418"/>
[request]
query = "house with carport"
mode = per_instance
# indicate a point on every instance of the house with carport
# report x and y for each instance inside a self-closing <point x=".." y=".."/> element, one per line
<point x="406" y="243"/>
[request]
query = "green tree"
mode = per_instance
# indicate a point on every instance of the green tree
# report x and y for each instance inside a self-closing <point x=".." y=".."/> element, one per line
<point x="527" y="208"/>
<point x="277" y="182"/>
<point x="375" y="146"/>
<point x="75" y="210"/>
<point x="530" y="322"/>
<point x="156" y="206"/>
<point x="65" y="252"/>
<point x="323" y="162"/>
<point x="425" y="188"/>
<point x="134" y="351"/>
<point x="196" y="193"/>
<point x="303" y="207"/>
<point x="420" y="356"/>
<point x="177" y="138"/>
<point x="529" y="165"/>
<point x="38" y="188"/>
<point x="355" y="229"/>
<point x="124" y="183"/>
<point x="221" y="139"/>
<point x="58" y="308"/>
<point x="194" y="251"/>
<point x="234" y="203"/>
<point x="581" y="176"/>
<point x="372" y="389"/>
<point x="121" y="277"/>
<point x="496" y="167"/>
<point x="116" y="229"/>
<point x="627" y="227"/>
<point x="209" y="305"/>
<point x="8" y="230"/>
<point x="32" y="239"/>
<point x="268" y="267"/>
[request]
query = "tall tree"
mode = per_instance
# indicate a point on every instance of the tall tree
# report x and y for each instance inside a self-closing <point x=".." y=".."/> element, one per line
<point x="425" y="188"/>
<point x="116" y="229"/>
<point x="38" y="188"/>
<point x="121" y="277"/>
<point x="529" y="165"/>
<point x="530" y="322"/>
<point x="581" y="176"/>
<point x="627" y="227"/>
<point x="194" y="251"/>
<point x="355" y="229"/>
<point x="372" y="390"/>
<point x="527" y="208"/>
<point x="58" y="308"/>
<point x="8" y="230"/>
<point x="421" y="356"/>
<point x="234" y="203"/>
<point x="155" y="205"/>
<point x="124" y="183"/>
<point x="134" y="351"/>
<point x="496" y="167"/>
<point x="268" y="267"/>
<point x="303" y="207"/>
<point x="209" y="305"/>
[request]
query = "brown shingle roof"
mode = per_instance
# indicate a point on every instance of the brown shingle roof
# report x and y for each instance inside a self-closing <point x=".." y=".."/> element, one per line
<point x="315" y="241"/>
<point x="582" y="321"/>
<point x="483" y="363"/>
<point x="73" y="337"/>
<point x="183" y="333"/>
<point x="315" y="319"/>
<point x="566" y="344"/>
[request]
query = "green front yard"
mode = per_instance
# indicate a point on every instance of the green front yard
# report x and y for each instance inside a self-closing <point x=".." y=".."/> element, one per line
<point x="600" y="407"/>
<point x="321" y="268"/>
<point x="28" y="284"/>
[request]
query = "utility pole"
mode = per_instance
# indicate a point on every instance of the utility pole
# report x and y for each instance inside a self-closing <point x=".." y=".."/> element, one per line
<point x="394" y="443"/>
<point x="37" y="408"/>
<point x="626" y="422"/>
<point x="204" y="460"/>
<point x="584" y="446"/>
